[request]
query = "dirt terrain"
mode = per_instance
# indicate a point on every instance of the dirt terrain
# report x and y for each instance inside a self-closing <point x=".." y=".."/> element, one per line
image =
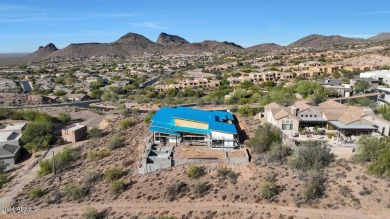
<point x="350" y="191"/>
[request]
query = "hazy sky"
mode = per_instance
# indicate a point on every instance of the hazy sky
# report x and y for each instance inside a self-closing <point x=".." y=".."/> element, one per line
<point x="27" y="24"/>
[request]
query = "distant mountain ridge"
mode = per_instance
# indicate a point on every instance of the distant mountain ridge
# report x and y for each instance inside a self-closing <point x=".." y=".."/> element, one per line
<point x="133" y="44"/>
<point x="319" y="41"/>
<point x="265" y="47"/>
<point x="380" y="37"/>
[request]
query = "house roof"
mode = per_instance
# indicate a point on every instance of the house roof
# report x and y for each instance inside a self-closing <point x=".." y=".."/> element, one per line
<point x="12" y="127"/>
<point x="302" y="105"/>
<point x="272" y="105"/>
<point x="340" y="125"/>
<point x="164" y="118"/>
<point x="7" y="150"/>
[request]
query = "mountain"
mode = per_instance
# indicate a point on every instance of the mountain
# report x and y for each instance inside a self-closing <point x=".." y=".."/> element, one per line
<point x="133" y="44"/>
<point x="265" y="47"/>
<point x="42" y="52"/>
<point x="320" y="41"/>
<point x="380" y="37"/>
<point x="170" y="40"/>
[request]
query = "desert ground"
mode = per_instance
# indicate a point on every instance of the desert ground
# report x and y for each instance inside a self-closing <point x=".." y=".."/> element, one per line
<point x="350" y="191"/>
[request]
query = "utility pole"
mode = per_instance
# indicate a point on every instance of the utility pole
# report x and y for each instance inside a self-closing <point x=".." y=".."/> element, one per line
<point x="54" y="164"/>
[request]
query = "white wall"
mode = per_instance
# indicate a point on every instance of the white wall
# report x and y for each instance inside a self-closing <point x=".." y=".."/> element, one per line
<point x="221" y="135"/>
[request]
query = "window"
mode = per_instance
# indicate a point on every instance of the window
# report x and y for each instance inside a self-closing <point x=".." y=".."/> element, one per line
<point x="315" y="115"/>
<point x="311" y="115"/>
<point x="287" y="126"/>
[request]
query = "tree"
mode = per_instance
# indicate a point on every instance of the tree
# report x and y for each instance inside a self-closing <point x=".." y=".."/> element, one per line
<point x="265" y="135"/>
<point x="37" y="136"/>
<point x="361" y="86"/>
<point x="306" y="88"/>
<point x="384" y="110"/>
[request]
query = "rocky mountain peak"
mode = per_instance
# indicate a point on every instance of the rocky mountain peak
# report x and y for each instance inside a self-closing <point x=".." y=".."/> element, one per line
<point x="48" y="47"/>
<point x="167" y="40"/>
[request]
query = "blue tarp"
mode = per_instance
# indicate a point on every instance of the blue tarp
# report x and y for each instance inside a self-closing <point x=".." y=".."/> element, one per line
<point x="164" y="118"/>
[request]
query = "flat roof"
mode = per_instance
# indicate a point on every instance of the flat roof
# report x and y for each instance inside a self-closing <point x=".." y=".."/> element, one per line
<point x="12" y="127"/>
<point x="164" y="118"/>
<point x="9" y="136"/>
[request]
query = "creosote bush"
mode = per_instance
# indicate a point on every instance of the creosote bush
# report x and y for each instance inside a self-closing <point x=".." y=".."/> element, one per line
<point x="113" y="174"/>
<point x="97" y="155"/>
<point x="176" y="191"/>
<point x="268" y="188"/>
<point x="90" y="177"/>
<point x="195" y="172"/>
<point x="201" y="189"/>
<point x="115" y="142"/>
<point x="90" y="213"/>
<point x="126" y="123"/>
<point x="117" y="186"/>
<point x="225" y="173"/>
<point x="95" y="133"/>
<point x="36" y="192"/>
<point x="314" y="185"/>
<point x="75" y="191"/>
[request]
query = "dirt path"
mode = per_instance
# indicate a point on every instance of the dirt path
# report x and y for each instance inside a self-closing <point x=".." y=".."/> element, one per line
<point x="177" y="208"/>
<point x="20" y="181"/>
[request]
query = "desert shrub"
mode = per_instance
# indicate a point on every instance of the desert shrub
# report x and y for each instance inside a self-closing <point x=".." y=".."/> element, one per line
<point x="268" y="188"/>
<point x="117" y="186"/>
<point x="113" y="174"/>
<point x="90" y="177"/>
<point x="3" y="180"/>
<point x="278" y="153"/>
<point x="36" y="192"/>
<point x="225" y="173"/>
<point x="201" y="189"/>
<point x="63" y="161"/>
<point x="90" y="213"/>
<point x="115" y="142"/>
<point x="126" y="123"/>
<point x="264" y="137"/>
<point x="313" y="186"/>
<point x="310" y="155"/>
<point x="75" y="191"/>
<point x="376" y="151"/>
<point x="176" y="191"/>
<point x="3" y="166"/>
<point x="195" y="172"/>
<point x="149" y="116"/>
<point x="167" y="217"/>
<point x="97" y="155"/>
<point x="63" y="117"/>
<point x="95" y="133"/>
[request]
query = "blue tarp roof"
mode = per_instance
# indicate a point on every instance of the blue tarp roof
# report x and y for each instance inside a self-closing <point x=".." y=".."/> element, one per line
<point x="164" y="118"/>
<point x="166" y="131"/>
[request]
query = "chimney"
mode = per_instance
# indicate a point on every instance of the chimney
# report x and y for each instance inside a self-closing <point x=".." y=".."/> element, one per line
<point x="294" y="110"/>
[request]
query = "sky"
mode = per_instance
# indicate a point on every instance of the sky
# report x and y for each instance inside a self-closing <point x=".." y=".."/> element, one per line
<point x="27" y="24"/>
